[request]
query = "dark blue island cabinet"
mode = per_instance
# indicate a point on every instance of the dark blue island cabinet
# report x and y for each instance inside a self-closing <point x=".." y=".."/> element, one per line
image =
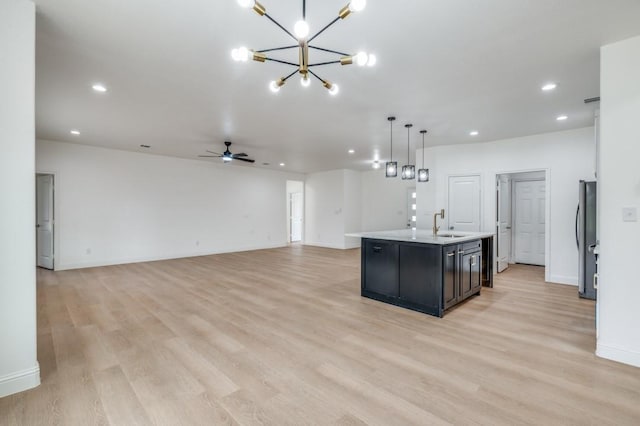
<point x="429" y="278"/>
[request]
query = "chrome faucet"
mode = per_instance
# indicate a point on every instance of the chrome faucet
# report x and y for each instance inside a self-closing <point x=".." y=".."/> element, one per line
<point x="435" y="216"/>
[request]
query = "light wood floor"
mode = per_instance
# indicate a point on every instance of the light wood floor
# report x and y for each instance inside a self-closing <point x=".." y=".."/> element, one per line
<point x="283" y="337"/>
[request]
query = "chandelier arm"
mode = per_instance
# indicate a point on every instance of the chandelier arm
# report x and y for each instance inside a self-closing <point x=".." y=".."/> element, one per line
<point x="316" y="76"/>
<point x="277" y="48"/>
<point x="290" y="75"/>
<point x="322" y="30"/>
<point x="281" y="27"/>
<point x="282" y="62"/>
<point x="329" y="50"/>
<point x="304" y="10"/>
<point x="324" y="63"/>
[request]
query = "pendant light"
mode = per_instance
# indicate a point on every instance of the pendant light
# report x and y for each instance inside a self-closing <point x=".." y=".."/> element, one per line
<point x="408" y="171"/>
<point x="391" y="169"/>
<point x="423" y="174"/>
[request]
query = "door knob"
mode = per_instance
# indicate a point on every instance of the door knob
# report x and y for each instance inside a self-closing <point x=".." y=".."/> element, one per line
<point x="38" y="226"/>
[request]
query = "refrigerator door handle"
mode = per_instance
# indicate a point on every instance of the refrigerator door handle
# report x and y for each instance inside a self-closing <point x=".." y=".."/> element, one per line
<point x="577" y="226"/>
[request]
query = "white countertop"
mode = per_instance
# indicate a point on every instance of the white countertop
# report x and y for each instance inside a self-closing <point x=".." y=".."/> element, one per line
<point x="422" y="236"/>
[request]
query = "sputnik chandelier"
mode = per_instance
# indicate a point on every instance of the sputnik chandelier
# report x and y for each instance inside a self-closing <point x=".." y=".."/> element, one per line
<point x="300" y="34"/>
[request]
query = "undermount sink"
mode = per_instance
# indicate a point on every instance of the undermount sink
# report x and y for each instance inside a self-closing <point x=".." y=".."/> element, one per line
<point x="449" y="236"/>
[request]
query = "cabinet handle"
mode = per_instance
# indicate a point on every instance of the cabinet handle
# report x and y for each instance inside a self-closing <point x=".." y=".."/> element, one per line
<point x="461" y="252"/>
<point x="473" y="261"/>
<point x="451" y="254"/>
<point x="377" y="249"/>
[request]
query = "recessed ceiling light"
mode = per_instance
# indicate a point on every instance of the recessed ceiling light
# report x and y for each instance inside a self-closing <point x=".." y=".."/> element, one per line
<point x="75" y="132"/>
<point x="562" y="118"/>
<point x="265" y="164"/>
<point x="145" y="146"/>
<point x="376" y="164"/>
<point x="351" y="151"/>
<point x="474" y="133"/>
<point x="549" y="87"/>
<point x="99" y="87"/>
<point x="281" y="164"/>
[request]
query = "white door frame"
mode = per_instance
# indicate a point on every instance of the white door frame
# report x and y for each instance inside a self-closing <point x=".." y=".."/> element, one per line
<point x="446" y="201"/>
<point x="547" y="216"/>
<point x="56" y="240"/>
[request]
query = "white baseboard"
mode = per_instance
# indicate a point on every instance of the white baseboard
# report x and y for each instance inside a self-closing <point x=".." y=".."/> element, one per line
<point x="20" y="381"/>
<point x="563" y="279"/>
<point x="326" y="245"/>
<point x="124" y="261"/>
<point x="619" y="355"/>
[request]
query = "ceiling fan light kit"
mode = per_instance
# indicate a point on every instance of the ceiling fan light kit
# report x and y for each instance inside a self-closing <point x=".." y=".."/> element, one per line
<point x="227" y="156"/>
<point x="300" y="34"/>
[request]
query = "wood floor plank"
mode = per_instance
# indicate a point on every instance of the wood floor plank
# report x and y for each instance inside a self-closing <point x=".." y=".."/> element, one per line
<point x="282" y="336"/>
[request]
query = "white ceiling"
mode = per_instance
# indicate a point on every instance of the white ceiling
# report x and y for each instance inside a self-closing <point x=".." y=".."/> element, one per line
<point x="449" y="66"/>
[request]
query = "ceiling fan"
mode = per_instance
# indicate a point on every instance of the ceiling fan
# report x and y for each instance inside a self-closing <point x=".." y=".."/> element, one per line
<point x="227" y="156"/>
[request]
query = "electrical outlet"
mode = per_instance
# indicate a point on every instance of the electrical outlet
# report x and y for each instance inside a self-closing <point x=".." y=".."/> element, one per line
<point x="197" y="243"/>
<point x="88" y="251"/>
<point x="629" y="214"/>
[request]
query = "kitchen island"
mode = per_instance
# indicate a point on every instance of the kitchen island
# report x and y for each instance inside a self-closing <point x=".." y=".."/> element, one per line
<point x="416" y="270"/>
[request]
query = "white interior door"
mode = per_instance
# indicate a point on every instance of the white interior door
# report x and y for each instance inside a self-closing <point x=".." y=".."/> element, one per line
<point x="44" y="220"/>
<point x="412" y="208"/>
<point x="530" y="221"/>
<point x="464" y="203"/>
<point x="504" y="222"/>
<point x="296" y="216"/>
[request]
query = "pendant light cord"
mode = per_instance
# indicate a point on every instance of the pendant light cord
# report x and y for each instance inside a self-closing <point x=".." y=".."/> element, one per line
<point x="408" y="142"/>
<point x="391" y="122"/>
<point x="423" y="150"/>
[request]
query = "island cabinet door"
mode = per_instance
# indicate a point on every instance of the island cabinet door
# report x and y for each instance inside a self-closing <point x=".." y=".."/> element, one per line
<point x="470" y="273"/>
<point x="381" y="267"/>
<point x="420" y="275"/>
<point x="450" y="276"/>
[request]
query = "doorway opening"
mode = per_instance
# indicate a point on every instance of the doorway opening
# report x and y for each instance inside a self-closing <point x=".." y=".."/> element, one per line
<point x="295" y="211"/>
<point x="45" y="220"/>
<point x="522" y="219"/>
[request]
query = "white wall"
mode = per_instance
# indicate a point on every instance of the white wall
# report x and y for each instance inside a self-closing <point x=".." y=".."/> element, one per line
<point x="352" y="206"/>
<point x="332" y="208"/>
<point x="619" y="187"/>
<point x="566" y="156"/>
<point x="115" y="207"/>
<point x="384" y="201"/>
<point x="18" y="364"/>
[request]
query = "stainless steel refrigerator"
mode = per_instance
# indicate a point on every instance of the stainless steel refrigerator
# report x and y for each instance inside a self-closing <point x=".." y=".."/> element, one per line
<point x="586" y="239"/>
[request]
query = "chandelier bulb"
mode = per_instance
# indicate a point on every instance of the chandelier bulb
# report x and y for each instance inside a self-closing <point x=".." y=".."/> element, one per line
<point x="275" y="85"/>
<point x="246" y="3"/>
<point x="357" y="5"/>
<point x="305" y="81"/>
<point x="362" y="58"/>
<point x="334" y="89"/>
<point x="301" y="29"/>
<point x="372" y="60"/>
<point x="241" y="54"/>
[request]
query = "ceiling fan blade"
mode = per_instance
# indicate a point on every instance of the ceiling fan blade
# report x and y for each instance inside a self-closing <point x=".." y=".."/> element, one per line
<point x="242" y="154"/>
<point x="210" y="156"/>
<point x="248" y="160"/>
<point x="211" y="152"/>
